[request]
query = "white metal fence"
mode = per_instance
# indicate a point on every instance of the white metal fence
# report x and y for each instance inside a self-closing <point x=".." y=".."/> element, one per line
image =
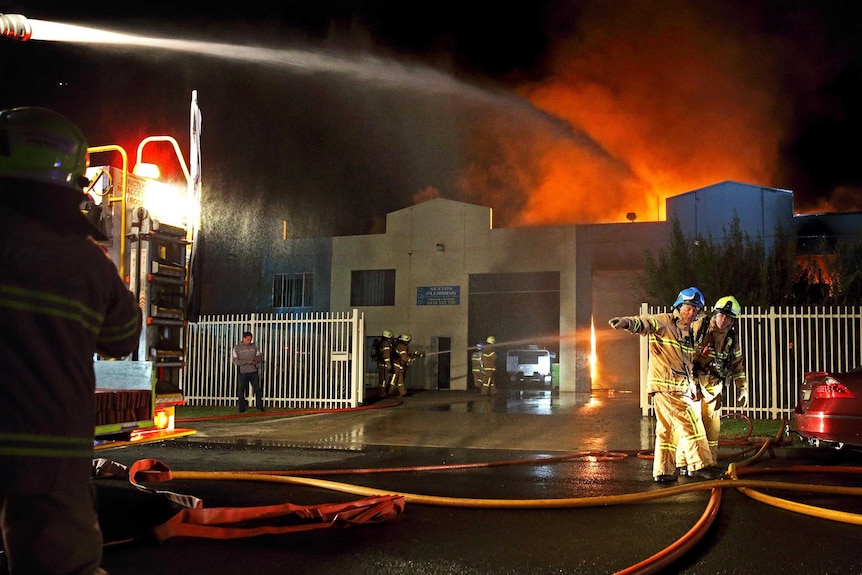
<point x="317" y="360"/>
<point x="780" y="345"/>
<point x="313" y="360"/>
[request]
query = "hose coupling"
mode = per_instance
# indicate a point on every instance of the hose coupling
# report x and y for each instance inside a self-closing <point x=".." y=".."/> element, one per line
<point x="15" y="26"/>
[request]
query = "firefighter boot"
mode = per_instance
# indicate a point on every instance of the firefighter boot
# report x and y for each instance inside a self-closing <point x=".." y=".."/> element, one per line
<point x="484" y="389"/>
<point x="709" y="472"/>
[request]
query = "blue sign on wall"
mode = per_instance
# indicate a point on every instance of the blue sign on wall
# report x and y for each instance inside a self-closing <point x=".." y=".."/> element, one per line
<point x="438" y="295"/>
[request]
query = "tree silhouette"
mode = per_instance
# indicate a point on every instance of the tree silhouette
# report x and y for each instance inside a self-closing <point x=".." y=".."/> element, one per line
<point x="741" y="266"/>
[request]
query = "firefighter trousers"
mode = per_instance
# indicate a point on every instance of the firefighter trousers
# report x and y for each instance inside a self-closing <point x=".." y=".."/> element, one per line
<point x="48" y="516"/>
<point x="678" y="417"/>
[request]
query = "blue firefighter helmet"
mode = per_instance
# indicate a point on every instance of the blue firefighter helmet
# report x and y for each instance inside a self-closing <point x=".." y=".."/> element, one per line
<point x="691" y="296"/>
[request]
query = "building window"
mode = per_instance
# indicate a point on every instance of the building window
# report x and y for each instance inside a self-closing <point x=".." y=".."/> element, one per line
<point x="372" y="287"/>
<point x="292" y="290"/>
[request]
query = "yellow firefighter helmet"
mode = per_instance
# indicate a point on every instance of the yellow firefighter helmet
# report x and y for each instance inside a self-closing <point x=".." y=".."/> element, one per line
<point x="41" y="145"/>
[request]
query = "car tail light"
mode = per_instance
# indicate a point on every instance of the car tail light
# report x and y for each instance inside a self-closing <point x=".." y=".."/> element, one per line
<point x="831" y="388"/>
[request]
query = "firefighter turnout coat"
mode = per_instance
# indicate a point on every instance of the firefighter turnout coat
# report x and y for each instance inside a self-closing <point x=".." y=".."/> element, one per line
<point x="489" y="367"/>
<point x="719" y="357"/>
<point x="717" y="361"/>
<point x="673" y="390"/>
<point x="61" y="301"/>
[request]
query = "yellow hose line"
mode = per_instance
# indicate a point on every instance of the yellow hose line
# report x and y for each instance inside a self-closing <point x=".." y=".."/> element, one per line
<point x="559" y="503"/>
<point x="820" y="512"/>
<point x="810" y="510"/>
<point x="743" y="485"/>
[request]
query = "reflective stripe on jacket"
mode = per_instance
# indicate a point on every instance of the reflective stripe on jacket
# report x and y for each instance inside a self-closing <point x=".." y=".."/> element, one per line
<point x="671" y="349"/>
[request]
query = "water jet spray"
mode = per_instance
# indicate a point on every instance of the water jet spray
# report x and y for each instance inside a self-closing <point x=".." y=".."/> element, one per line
<point x="15" y="26"/>
<point x="366" y="68"/>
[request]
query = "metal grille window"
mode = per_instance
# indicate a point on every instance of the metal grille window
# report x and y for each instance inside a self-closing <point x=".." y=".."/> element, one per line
<point x="372" y="287"/>
<point x="292" y="290"/>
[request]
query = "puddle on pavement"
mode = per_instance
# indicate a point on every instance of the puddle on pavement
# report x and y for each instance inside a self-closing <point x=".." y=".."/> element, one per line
<point x="530" y="402"/>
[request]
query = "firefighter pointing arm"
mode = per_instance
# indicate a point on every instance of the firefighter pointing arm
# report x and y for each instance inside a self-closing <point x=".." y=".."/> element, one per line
<point x="671" y="385"/>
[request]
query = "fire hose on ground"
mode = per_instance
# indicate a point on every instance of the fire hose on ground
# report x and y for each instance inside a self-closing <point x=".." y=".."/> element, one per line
<point x="736" y="471"/>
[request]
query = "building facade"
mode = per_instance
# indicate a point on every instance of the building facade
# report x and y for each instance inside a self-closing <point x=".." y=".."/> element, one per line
<point x="442" y="273"/>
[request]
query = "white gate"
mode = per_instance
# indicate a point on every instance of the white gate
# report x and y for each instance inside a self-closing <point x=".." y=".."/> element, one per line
<point x="313" y="360"/>
<point x="780" y="345"/>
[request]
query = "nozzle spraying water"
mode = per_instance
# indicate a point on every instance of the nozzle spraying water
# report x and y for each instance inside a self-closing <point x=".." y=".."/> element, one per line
<point x="15" y="26"/>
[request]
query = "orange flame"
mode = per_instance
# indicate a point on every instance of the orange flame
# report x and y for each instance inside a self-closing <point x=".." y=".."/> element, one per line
<point x="676" y="104"/>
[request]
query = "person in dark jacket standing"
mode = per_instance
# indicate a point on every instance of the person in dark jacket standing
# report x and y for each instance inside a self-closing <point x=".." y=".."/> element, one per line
<point x="246" y="357"/>
<point x="61" y="301"/>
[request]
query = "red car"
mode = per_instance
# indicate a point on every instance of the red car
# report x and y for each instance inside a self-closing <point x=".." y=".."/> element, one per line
<point x="829" y="411"/>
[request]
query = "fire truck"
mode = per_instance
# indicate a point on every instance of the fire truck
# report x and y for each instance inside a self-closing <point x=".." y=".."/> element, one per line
<point x="149" y="241"/>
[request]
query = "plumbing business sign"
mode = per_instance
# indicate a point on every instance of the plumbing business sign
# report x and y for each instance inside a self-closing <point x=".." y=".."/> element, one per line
<point x="438" y="295"/>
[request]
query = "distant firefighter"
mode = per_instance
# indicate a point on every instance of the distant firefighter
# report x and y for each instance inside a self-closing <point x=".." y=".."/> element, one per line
<point x="401" y="359"/>
<point x="384" y="363"/>
<point x="477" y="367"/>
<point x="489" y="366"/>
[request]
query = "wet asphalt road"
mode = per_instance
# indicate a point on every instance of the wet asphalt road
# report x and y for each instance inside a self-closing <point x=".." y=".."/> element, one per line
<point x="467" y="534"/>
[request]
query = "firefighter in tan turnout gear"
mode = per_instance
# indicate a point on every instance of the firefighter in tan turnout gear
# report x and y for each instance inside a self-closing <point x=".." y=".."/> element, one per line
<point x="671" y="385"/>
<point x="489" y="366"/>
<point x="402" y="357"/>
<point x="384" y="363"/>
<point x="718" y="359"/>
<point x="61" y="301"/>
<point x="477" y="368"/>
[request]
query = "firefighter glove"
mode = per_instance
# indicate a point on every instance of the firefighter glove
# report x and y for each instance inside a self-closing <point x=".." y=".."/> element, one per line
<point x="619" y="323"/>
<point x="742" y="397"/>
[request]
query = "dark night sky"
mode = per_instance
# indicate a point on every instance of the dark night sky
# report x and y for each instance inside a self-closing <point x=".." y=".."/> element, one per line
<point x="331" y="114"/>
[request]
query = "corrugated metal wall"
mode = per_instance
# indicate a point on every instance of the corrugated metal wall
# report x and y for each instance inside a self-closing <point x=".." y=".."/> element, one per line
<point x="780" y="345"/>
<point x="313" y="360"/>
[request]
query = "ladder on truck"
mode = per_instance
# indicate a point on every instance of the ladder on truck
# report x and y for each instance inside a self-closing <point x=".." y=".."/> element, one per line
<point x="136" y="397"/>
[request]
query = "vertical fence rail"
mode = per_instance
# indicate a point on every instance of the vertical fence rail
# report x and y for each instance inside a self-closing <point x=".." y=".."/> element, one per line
<point x="780" y="345"/>
<point x="313" y="360"/>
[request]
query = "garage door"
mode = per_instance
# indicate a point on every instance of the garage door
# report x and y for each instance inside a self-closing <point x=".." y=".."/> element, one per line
<point x="518" y="309"/>
<point x="617" y="353"/>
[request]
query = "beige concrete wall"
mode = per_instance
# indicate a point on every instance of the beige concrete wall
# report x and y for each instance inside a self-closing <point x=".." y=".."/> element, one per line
<point x="469" y="246"/>
<point x="617" y="352"/>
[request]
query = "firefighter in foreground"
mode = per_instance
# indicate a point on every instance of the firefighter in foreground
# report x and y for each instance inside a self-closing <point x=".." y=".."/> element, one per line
<point x="489" y="366"/>
<point x="718" y="359"/>
<point x="672" y="388"/>
<point x="402" y="357"/>
<point x="61" y="301"/>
